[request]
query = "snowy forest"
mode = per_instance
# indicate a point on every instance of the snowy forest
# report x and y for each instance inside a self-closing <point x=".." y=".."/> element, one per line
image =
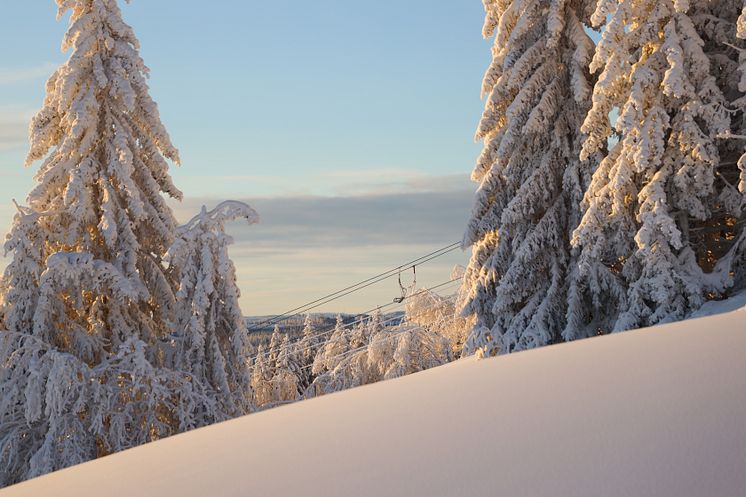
<point x="610" y="196"/>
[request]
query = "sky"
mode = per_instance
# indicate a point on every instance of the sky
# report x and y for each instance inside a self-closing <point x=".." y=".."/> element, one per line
<point x="348" y="125"/>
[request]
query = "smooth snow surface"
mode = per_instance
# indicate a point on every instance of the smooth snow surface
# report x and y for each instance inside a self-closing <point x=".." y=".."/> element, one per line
<point x="657" y="412"/>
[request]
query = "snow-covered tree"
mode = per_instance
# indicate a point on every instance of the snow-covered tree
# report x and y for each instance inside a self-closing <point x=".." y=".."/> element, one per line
<point x="87" y="302"/>
<point x="210" y="333"/>
<point x="439" y="314"/>
<point x="306" y="351"/>
<point x="720" y="30"/>
<point x="531" y="180"/>
<point x="58" y="411"/>
<point x="20" y="282"/>
<point x="99" y="188"/>
<point x="359" y="334"/>
<point x="329" y="355"/>
<point x="662" y="208"/>
<point x="415" y="349"/>
<point x="261" y="378"/>
<point x="308" y="339"/>
<point x="274" y="344"/>
<point x="373" y="326"/>
<point x="391" y="352"/>
<point x="286" y="381"/>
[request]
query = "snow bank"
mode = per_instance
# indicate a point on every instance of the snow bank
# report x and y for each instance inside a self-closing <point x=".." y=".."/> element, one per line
<point x="737" y="301"/>
<point x="656" y="412"/>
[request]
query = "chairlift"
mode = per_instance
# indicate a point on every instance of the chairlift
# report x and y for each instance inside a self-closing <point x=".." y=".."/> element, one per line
<point x="399" y="300"/>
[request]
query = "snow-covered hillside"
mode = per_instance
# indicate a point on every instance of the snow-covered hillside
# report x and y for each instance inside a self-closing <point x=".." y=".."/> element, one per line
<point x="652" y="412"/>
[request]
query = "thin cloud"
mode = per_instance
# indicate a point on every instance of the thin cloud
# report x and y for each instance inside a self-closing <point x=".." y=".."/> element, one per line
<point x="14" y="124"/>
<point x="11" y="76"/>
<point x="296" y="223"/>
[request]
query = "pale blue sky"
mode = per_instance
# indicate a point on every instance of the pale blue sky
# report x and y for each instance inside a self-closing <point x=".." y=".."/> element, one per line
<point x="348" y="124"/>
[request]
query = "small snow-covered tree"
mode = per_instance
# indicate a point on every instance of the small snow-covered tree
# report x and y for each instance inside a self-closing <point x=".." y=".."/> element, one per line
<point x="286" y="381"/>
<point x="308" y="340"/>
<point x="210" y="333"/>
<point x="439" y="314"/>
<point x="329" y="355"/>
<point x="373" y="326"/>
<point x="656" y="234"/>
<point x="261" y="378"/>
<point x="530" y="178"/>
<point x="306" y="350"/>
<point x="415" y="349"/>
<point x="359" y="335"/>
<point x="274" y="344"/>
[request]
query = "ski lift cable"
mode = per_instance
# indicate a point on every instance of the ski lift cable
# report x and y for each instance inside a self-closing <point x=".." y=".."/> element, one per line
<point x="362" y="347"/>
<point x="361" y="318"/>
<point x="365" y="316"/>
<point x="356" y="287"/>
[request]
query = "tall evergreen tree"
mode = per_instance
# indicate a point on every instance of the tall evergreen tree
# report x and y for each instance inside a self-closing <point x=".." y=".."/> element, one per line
<point x="657" y="235"/>
<point x="530" y="178"/>
<point x="87" y="302"/>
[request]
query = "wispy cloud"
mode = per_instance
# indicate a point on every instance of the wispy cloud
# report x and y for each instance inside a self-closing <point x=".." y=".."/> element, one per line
<point x="15" y="75"/>
<point x="390" y="181"/>
<point x="338" y="183"/>
<point x="14" y="127"/>
<point x="288" y="223"/>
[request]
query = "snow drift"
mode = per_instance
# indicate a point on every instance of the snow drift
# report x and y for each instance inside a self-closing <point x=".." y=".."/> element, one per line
<point x="651" y="412"/>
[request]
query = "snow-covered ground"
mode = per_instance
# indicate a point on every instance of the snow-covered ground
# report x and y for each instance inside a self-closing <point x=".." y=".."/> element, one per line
<point x="656" y="412"/>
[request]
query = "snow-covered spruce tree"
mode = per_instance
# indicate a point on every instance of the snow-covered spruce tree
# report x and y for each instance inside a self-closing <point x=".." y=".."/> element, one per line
<point x="286" y="381"/>
<point x="656" y="234"/>
<point x="274" y="345"/>
<point x="261" y="378"/>
<point x="305" y="352"/>
<point x="87" y="303"/>
<point x="718" y="34"/>
<point x="359" y="335"/>
<point x="209" y="333"/>
<point x="530" y="179"/>
<point x="374" y="326"/>
<point x="329" y="354"/>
